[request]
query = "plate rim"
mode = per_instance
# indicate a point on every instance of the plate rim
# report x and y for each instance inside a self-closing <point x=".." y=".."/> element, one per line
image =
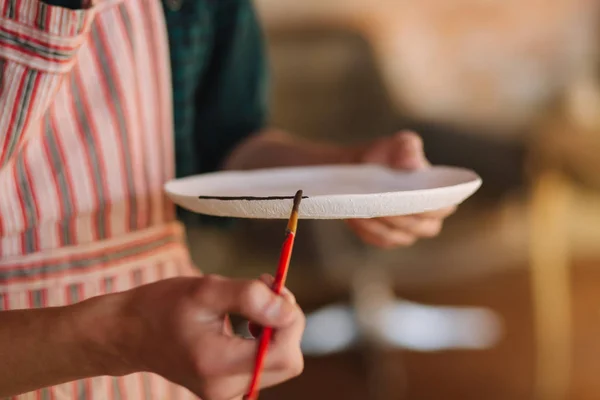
<point x="477" y="180"/>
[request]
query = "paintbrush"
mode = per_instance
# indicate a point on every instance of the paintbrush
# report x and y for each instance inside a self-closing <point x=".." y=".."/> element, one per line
<point x="277" y="287"/>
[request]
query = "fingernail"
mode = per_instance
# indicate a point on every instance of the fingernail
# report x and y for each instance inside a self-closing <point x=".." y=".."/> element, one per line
<point x="273" y="310"/>
<point x="410" y="162"/>
<point x="287" y="292"/>
<point x="268" y="279"/>
<point x="417" y="144"/>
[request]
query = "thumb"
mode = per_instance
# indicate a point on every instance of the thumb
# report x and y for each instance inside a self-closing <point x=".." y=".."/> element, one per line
<point x="254" y="329"/>
<point x="251" y="299"/>
<point x="408" y="151"/>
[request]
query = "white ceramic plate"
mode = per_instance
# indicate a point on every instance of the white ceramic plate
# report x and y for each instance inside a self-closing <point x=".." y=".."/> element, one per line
<point x="331" y="192"/>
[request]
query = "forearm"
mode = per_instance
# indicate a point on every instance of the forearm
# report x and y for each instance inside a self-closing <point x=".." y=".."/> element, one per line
<point x="273" y="148"/>
<point x="49" y="346"/>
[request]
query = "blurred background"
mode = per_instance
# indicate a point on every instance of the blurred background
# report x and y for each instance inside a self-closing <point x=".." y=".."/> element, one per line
<point x="505" y="304"/>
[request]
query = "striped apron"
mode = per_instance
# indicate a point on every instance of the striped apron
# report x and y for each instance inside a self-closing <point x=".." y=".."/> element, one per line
<point x="85" y="147"/>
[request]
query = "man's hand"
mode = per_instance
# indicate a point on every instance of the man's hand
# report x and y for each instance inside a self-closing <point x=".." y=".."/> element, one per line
<point x="401" y="151"/>
<point x="178" y="328"/>
<point x="273" y="148"/>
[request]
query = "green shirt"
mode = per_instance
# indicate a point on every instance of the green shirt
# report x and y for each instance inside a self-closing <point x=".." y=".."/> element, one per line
<point x="219" y="82"/>
<point x="219" y="79"/>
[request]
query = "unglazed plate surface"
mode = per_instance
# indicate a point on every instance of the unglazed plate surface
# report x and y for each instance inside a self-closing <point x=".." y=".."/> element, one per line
<point x="330" y="192"/>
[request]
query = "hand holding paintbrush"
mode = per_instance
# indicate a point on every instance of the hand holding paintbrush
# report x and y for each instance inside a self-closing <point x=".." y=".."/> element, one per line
<point x="278" y="285"/>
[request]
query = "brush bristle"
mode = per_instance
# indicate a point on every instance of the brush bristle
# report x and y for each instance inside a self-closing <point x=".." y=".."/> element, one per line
<point x="297" y="200"/>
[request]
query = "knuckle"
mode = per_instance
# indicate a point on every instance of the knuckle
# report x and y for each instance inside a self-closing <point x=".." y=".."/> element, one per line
<point x="207" y="281"/>
<point x="399" y="238"/>
<point x="407" y="240"/>
<point x="212" y="278"/>
<point x="267" y="278"/>
<point x="296" y="366"/>
<point x="250" y="291"/>
<point x="204" y="283"/>
<point x="289" y="296"/>
<point x="213" y="393"/>
<point x="433" y="229"/>
<point x="301" y="318"/>
<point x="385" y="244"/>
<point x="450" y="210"/>
<point x="279" y="363"/>
<point x="410" y="241"/>
<point x="382" y="244"/>
<point x="204" y="289"/>
<point x="291" y="363"/>
<point x="408" y="137"/>
<point x="205" y="366"/>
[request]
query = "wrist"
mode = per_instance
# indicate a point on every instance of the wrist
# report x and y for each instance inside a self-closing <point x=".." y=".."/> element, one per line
<point x="103" y="335"/>
<point x="274" y="148"/>
<point x="326" y="153"/>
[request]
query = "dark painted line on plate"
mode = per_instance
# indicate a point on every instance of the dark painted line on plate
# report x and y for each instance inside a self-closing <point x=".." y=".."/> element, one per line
<point x="248" y="198"/>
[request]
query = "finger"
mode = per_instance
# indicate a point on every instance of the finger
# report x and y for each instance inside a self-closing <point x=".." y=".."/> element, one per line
<point x="442" y="213"/>
<point x="251" y="299"/>
<point x="436" y="214"/>
<point x="285" y="292"/>
<point x="415" y="225"/>
<point x="284" y="359"/>
<point x="376" y="233"/>
<point x="267" y="279"/>
<point x="407" y="151"/>
<point x="254" y="329"/>
<point x="234" y="382"/>
<point x="227" y="326"/>
<point x="236" y="355"/>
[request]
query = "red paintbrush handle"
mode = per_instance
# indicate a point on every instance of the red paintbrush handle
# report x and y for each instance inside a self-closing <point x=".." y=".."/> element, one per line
<point x="265" y="338"/>
<point x="280" y="276"/>
<point x="284" y="263"/>
<point x="267" y="332"/>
